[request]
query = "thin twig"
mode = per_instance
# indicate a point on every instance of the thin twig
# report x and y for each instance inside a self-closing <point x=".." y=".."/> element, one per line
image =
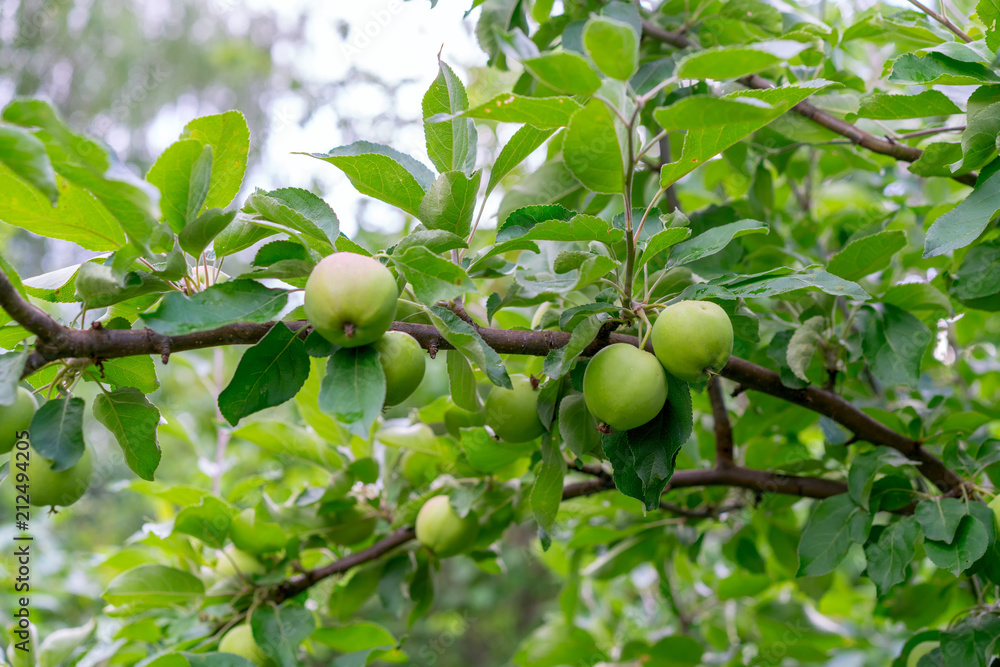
<point x="942" y="19"/>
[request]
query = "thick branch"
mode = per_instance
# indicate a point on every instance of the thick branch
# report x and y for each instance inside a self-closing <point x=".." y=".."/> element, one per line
<point x="842" y="127"/>
<point x="27" y="315"/>
<point x="723" y="429"/>
<point x="100" y="344"/>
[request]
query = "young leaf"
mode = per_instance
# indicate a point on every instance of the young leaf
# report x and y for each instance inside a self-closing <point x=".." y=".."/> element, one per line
<point x="713" y="240"/>
<point x="466" y="340"/>
<point x="133" y="421"/>
<point x="353" y="389"/>
<point x="450" y="202"/>
<point x="172" y="173"/>
<point x="229" y="136"/>
<point x="541" y="112"/>
<point x="521" y="145"/>
<point x="225" y="303"/>
<point x="577" y="427"/>
<point x="24" y="155"/>
<point x="732" y="62"/>
<point x="613" y="46"/>
<point x="432" y="277"/>
<point x="301" y="211"/>
<point x="462" y="382"/>
<point x="270" y="373"/>
<point x="803" y="344"/>
<point x="592" y="150"/>
<point x="199" y="232"/>
<point x="564" y="71"/>
<point x="57" y="432"/>
<point x="451" y="144"/>
<point x="546" y="493"/>
<point x="209" y="521"/>
<point x="153" y="587"/>
<point x="558" y="362"/>
<point x="699" y="112"/>
<point x="382" y="172"/>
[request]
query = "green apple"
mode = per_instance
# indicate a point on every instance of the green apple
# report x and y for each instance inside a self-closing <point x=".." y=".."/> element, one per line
<point x="254" y="536"/>
<point x="513" y="413"/>
<point x="233" y="560"/>
<point x="350" y="525"/>
<point x="456" y="418"/>
<point x="350" y="299"/>
<point x="402" y="360"/>
<point x="624" y="386"/>
<point x="420" y="468"/>
<point x="15" y="418"/>
<point x="239" y="641"/>
<point x="693" y="339"/>
<point x="48" y="488"/>
<point x="442" y="530"/>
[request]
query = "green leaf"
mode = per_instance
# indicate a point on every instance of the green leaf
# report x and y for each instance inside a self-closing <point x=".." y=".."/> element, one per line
<point x="743" y="586"/>
<point x="299" y="210"/>
<point x="240" y="235"/>
<point x="913" y="297"/>
<point x="940" y="517"/>
<point x="699" y="112"/>
<point x="57" y="432"/>
<point x="644" y="458"/>
<point x="132" y="420"/>
<point x="229" y="136"/>
<point x="701" y="145"/>
<point x="592" y="150"/>
<point x="577" y="427"/>
<point x="451" y="144"/>
<point x="462" y="382"/>
<point x="865" y="466"/>
<point x="24" y="155"/>
<point x="803" y="344"/>
<point x="613" y="46"/>
<point x="211" y="660"/>
<point x="269" y="373"/>
<point x="199" y="233"/>
<point x="883" y="106"/>
<point x="988" y="12"/>
<point x="355" y="637"/>
<point x="278" y="631"/>
<point x="172" y="175"/>
<point x="87" y="164"/>
<point x="677" y="651"/>
<point x="559" y="361"/>
<point x="11" y="367"/>
<point x="661" y="242"/>
<point x="713" y="240"/>
<point x="487" y="455"/>
<point x="936" y="68"/>
<point x="353" y="389"/>
<point x="467" y="340"/>
<point x="152" y="587"/>
<point x="565" y="72"/>
<point x="450" y="203"/>
<point x="546" y="492"/>
<point x="432" y="277"/>
<point x="970" y="543"/>
<point x="889" y="555"/>
<point x="540" y="112"/>
<point x="833" y="526"/>
<point x="732" y="62"/>
<point x="78" y="217"/>
<point x="225" y="303"/>
<point x="977" y="280"/>
<point x="894" y="344"/>
<point x="208" y="521"/>
<point x="288" y="440"/>
<point x="383" y="173"/>
<point x="521" y="145"/>
<point x="963" y="224"/>
<point x="867" y="255"/>
<point x="979" y="140"/>
<point x="59" y="645"/>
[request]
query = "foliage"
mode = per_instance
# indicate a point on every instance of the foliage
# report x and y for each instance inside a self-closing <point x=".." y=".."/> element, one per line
<point x="825" y="495"/>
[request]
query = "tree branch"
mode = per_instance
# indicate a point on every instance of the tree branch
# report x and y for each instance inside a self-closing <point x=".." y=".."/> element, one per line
<point x="723" y="429"/>
<point x="757" y="480"/>
<point x="942" y="19"/>
<point x="855" y="134"/>
<point x="62" y="342"/>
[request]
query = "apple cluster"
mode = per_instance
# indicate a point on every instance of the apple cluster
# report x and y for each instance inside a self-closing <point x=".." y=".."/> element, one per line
<point x="351" y="300"/>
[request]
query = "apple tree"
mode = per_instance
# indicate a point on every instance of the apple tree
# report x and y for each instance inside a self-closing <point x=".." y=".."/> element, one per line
<point x="704" y="301"/>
